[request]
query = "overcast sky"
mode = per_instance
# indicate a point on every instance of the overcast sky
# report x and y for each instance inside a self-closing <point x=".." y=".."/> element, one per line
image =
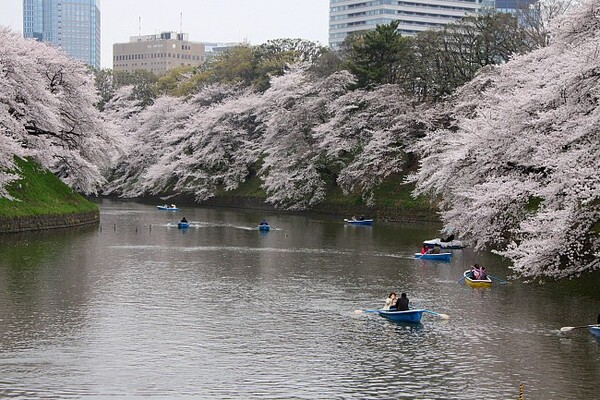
<point x="255" y="21"/>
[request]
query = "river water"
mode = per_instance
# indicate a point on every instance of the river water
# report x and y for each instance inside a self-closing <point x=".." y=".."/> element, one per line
<point x="134" y="308"/>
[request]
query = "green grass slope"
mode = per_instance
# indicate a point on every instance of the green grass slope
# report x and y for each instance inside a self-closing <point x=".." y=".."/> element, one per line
<point x="39" y="192"/>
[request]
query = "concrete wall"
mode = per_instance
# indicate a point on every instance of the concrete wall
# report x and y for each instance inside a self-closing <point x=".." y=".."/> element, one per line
<point x="40" y="222"/>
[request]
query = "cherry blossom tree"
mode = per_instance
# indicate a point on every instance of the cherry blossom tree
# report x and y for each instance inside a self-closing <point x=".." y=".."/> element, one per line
<point x="367" y="134"/>
<point x="47" y="113"/>
<point x="517" y="168"/>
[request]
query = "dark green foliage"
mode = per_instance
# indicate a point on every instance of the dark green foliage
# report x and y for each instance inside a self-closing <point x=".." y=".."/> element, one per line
<point x="381" y="56"/>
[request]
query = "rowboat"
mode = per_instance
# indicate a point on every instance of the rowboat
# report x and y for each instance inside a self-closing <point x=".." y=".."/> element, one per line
<point x="413" y="316"/>
<point x="167" y="208"/>
<point x="453" y="244"/>
<point x="476" y="283"/>
<point x="358" y="221"/>
<point x="595" y="330"/>
<point x="264" y="227"/>
<point x="183" y="225"/>
<point x="434" y="256"/>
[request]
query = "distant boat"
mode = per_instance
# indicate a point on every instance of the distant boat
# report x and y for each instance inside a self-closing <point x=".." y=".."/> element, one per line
<point x="477" y="283"/>
<point x="595" y="330"/>
<point x="434" y="256"/>
<point x="168" y="208"/>
<point x="453" y="244"/>
<point x="264" y="226"/>
<point x="183" y="225"/>
<point x="358" y="221"/>
<point x="413" y="316"/>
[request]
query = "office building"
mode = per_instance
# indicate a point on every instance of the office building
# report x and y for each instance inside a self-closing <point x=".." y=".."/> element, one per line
<point x="414" y="16"/>
<point x="71" y="25"/>
<point x="157" y="53"/>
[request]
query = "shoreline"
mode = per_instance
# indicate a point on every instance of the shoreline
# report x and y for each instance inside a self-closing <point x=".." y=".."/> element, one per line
<point x="47" y="222"/>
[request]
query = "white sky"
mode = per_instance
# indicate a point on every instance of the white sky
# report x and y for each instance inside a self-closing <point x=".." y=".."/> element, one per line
<point x="255" y="21"/>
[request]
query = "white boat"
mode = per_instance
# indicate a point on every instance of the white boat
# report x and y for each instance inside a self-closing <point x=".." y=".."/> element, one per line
<point x="453" y="244"/>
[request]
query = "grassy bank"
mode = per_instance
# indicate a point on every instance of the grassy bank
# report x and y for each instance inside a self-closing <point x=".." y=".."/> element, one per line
<point x="39" y="192"/>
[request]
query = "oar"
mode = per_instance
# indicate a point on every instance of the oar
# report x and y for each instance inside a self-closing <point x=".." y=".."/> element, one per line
<point x="364" y="311"/>
<point x="499" y="280"/>
<point x="442" y="316"/>
<point x="570" y="328"/>
<point x="461" y="279"/>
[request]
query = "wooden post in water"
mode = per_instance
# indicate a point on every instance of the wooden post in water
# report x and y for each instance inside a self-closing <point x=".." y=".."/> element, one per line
<point x="520" y="391"/>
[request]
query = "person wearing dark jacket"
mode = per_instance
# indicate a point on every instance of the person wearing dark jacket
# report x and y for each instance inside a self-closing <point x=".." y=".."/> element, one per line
<point x="402" y="303"/>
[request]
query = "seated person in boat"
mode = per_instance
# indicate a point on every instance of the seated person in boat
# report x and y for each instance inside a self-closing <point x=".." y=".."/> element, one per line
<point x="362" y="218"/>
<point x="482" y="274"/>
<point x="264" y="222"/>
<point x="173" y="206"/>
<point x="425" y="249"/>
<point x="435" y="250"/>
<point x="183" y="220"/>
<point x="390" y="302"/>
<point x="475" y="272"/>
<point x="402" y="303"/>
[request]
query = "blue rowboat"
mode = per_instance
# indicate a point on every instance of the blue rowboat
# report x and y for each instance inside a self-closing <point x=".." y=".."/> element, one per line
<point x="264" y="227"/>
<point x="358" y="221"/>
<point x="595" y="330"/>
<point x="167" y="208"/>
<point x="434" y="256"/>
<point x="412" y="316"/>
<point x="183" y="225"/>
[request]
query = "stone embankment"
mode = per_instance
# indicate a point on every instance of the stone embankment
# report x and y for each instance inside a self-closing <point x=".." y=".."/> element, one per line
<point x="41" y="222"/>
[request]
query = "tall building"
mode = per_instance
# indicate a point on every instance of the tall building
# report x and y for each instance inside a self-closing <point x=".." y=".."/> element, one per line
<point x="157" y="53"/>
<point x="71" y="25"/>
<point x="347" y="16"/>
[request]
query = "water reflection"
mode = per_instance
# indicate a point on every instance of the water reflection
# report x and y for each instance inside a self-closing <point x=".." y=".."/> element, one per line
<point x="137" y="307"/>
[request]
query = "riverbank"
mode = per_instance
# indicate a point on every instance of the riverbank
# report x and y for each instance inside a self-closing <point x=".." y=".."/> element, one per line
<point x="42" y="201"/>
<point x="393" y="202"/>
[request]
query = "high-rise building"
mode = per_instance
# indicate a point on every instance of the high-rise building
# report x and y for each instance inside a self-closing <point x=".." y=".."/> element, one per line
<point x="414" y="16"/>
<point x="157" y="53"/>
<point x="71" y="25"/>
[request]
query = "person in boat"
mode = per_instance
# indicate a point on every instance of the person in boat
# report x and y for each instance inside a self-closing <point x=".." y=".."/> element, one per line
<point x="425" y="249"/>
<point x="264" y="222"/>
<point x="482" y="274"/>
<point x="475" y="272"/>
<point x="183" y="220"/>
<point x="435" y="250"/>
<point x="173" y="206"/>
<point x="354" y="218"/>
<point x="390" y="302"/>
<point x="402" y="303"/>
<point x="361" y="218"/>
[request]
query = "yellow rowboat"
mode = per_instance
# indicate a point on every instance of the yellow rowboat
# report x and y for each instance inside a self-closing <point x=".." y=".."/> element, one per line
<point x="476" y="283"/>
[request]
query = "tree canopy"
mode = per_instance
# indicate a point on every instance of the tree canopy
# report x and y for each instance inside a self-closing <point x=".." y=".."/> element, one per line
<point x="47" y="113"/>
<point x="517" y="168"/>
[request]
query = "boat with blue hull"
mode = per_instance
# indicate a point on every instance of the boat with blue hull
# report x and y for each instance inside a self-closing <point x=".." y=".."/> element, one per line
<point x="411" y="316"/>
<point x="183" y="225"/>
<point x="264" y="226"/>
<point x="595" y="330"/>
<point x="358" y="221"/>
<point x="434" y="256"/>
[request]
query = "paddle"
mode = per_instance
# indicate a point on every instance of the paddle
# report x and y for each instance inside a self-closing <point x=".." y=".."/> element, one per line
<point x="461" y="279"/>
<point x="442" y="316"/>
<point x="570" y="328"/>
<point x="499" y="280"/>
<point x="364" y="311"/>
